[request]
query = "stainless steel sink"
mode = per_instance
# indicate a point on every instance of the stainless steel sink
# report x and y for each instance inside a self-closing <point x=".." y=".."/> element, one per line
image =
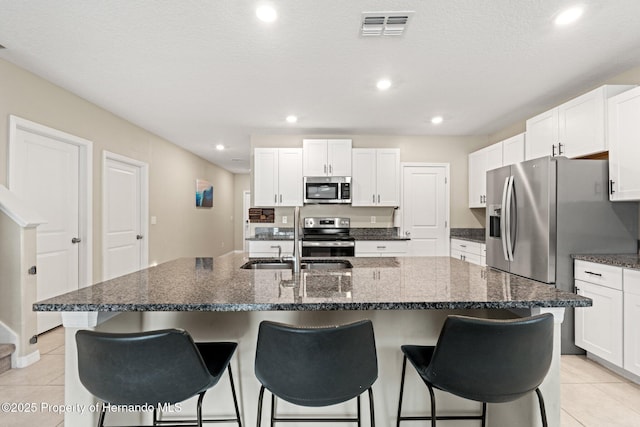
<point x="267" y="265"/>
<point x="319" y="264"/>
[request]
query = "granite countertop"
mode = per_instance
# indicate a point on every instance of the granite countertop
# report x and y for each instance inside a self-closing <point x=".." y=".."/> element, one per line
<point x="219" y="284"/>
<point x="469" y="239"/>
<point x="469" y="234"/>
<point x="617" y="260"/>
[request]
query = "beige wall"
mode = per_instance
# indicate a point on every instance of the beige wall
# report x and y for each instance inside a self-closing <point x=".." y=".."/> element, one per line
<point x="182" y="229"/>
<point x="435" y="149"/>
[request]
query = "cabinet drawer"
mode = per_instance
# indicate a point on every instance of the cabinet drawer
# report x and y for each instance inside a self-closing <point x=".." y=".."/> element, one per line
<point x="269" y="248"/>
<point x="466" y="246"/>
<point x="631" y="281"/>
<point x="600" y="274"/>
<point x="381" y="246"/>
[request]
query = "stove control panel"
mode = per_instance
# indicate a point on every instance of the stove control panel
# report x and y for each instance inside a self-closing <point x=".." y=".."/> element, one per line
<point x="327" y="222"/>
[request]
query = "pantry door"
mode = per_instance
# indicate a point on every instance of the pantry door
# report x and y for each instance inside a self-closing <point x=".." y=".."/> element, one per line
<point x="124" y="218"/>
<point x="48" y="171"/>
<point x="425" y="206"/>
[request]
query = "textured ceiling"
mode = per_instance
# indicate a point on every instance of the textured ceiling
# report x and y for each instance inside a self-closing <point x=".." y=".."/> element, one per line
<point x="200" y="73"/>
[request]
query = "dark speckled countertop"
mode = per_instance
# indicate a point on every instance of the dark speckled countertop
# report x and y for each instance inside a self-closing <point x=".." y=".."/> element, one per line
<point x="219" y="284"/>
<point x="616" y="260"/>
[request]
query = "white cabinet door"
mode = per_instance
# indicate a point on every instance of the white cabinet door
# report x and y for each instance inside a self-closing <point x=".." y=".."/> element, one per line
<point x="632" y="321"/>
<point x="265" y="177"/>
<point x="363" y="180"/>
<point x="277" y="177"/>
<point x="290" y="177"/>
<point x="326" y="157"/>
<point x="339" y="157"/>
<point x="388" y="177"/>
<point x="624" y="146"/>
<point x="375" y="177"/>
<point x="315" y="162"/>
<point x="477" y="179"/>
<point x="598" y="329"/>
<point x="374" y="248"/>
<point x="581" y="125"/>
<point x="513" y="150"/>
<point x="542" y="135"/>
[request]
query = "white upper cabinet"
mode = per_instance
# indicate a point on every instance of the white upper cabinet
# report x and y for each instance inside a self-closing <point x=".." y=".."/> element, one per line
<point x="513" y="150"/>
<point x="277" y="177"/>
<point x="326" y="157"/>
<point x="375" y="177"/>
<point x="480" y="162"/>
<point x="624" y="146"/>
<point x="576" y="128"/>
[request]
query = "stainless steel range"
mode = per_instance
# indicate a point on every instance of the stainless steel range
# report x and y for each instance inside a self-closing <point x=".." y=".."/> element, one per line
<point x="327" y="237"/>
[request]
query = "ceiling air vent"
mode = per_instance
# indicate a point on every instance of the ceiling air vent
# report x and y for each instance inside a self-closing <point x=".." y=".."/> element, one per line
<point x="377" y="24"/>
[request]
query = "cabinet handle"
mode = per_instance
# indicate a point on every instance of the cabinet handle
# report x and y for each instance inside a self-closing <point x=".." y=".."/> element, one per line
<point x="381" y="247"/>
<point x="593" y="274"/>
<point x="611" y="182"/>
<point x="373" y="199"/>
<point x="463" y="246"/>
<point x="378" y="198"/>
<point x="281" y="198"/>
<point x="330" y="169"/>
<point x="560" y="149"/>
<point x="275" y="198"/>
<point x="325" y="168"/>
<point x="553" y="150"/>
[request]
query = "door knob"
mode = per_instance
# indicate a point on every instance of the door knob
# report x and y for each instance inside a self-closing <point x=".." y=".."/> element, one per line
<point x="139" y="237"/>
<point x="76" y="240"/>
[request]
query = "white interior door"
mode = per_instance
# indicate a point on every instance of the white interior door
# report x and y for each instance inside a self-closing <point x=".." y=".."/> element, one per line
<point x="124" y="219"/>
<point x="46" y="175"/>
<point x="425" y="206"/>
<point x="246" y="226"/>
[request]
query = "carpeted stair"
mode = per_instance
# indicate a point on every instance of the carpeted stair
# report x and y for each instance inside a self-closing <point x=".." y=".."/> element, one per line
<point x="5" y="356"/>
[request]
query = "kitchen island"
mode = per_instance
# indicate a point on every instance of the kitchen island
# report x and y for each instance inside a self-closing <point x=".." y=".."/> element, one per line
<point x="406" y="298"/>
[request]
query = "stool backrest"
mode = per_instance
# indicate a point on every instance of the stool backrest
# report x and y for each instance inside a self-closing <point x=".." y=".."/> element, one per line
<point x="492" y="360"/>
<point x="149" y="367"/>
<point x="316" y="366"/>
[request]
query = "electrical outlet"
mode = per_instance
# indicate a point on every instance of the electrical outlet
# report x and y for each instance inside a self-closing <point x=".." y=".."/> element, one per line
<point x="373" y="220"/>
<point x="284" y="219"/>
<point x="154" y="220"/>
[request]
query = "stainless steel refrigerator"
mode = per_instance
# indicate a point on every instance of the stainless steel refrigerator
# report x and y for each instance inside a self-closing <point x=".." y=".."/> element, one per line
<point x="541" y="211"/>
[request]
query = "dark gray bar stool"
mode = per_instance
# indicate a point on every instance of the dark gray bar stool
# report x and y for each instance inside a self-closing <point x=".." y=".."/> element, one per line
<point x="489" y="361"/>
<point x="153" y="368"/>
<point x="316" y="367"/>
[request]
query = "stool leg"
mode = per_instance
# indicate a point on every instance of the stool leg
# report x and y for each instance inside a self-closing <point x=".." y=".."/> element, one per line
<point x="358" y="406"/>
<point x="543" y="412"/>
<point x="484" y="414"/>
<point x="404" y="369"/>
<point x="371" y="412"/>
<point x="260" y="396"/>
<point x="101" y="417"/>
<point x="273" y="410"/>
<point x="200" y="398"/>
<point x="235" y="399"/>
<point x="433" y="405"/>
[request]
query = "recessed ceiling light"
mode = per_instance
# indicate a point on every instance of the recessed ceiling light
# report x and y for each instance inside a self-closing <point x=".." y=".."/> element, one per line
<point x="292" y="119"/>
<point x="569" y="16"/>
<point x="436" y="120"/>
<point x="266" y="13"/>
<point x="383" y="84"/>
<point x="219" y="147"/>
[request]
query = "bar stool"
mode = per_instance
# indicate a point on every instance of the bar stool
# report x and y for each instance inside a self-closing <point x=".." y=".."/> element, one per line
<point x="153" y="368"/>
<point x="489" y="361"/>
<point x="316" y="367"/>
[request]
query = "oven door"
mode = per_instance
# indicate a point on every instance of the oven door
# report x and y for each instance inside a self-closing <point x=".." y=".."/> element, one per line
<point x="321" y="192"/>
<point x="311" y="248"/>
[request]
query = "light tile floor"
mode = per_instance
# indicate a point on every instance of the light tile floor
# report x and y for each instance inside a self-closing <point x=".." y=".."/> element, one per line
<point x="591" y="395"/>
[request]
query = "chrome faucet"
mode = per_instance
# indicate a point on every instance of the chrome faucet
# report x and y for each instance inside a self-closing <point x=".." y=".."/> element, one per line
<point x="296" y="241"/>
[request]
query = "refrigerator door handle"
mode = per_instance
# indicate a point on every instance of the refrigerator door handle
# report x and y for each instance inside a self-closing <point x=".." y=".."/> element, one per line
<point x="504" y="219"/>
<point x="509" y="204"/>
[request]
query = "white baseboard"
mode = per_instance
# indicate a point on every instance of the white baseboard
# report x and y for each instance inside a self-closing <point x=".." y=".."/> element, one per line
<point x="24" y="361"/>
<point x="617" y="369"/>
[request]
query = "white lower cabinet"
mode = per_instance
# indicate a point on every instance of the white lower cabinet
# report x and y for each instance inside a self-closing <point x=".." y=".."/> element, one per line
<point x="473" y="252"/>
<point x="599" y="328"/>
<point x="373" y="248"/>
<point x="270" y="248"/>
<point x="632" y="321"/>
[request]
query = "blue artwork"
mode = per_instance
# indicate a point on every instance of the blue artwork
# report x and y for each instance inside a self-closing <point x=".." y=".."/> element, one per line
<point x="204" y="194"/>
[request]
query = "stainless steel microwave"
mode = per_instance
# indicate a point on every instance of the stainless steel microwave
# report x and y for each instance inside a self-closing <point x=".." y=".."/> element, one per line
<point x="327" y="189"/>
